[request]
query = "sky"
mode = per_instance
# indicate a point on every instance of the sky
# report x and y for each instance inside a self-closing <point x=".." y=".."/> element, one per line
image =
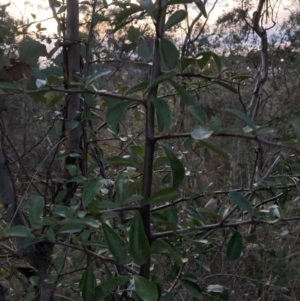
<point x="20" y="8"/>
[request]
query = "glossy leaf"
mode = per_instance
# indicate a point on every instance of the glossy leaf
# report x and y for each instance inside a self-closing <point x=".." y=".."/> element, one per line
<point x="164" y="195"/>
<point x="117" y="112"/>
<point x="68" y="229"/>
<point x="71" y="125"/>
<point x="63" y="211"/>
<point x="18" y="231"/>
<point x="162" y="110"/>
<point x="226" y="86"/>
<point x="139" y="87"/>
<point x="119" y="161"/>
<point x="50" y="235"/>
<point x="242" y="116"/>
<point x="162" y="246"/>
<point x="88" y="284"/>
<point x="192" y="287"/>
<point x="176" y="18"/>
<point x="185" y="62"/>
<point x="91" y="78"/>
<point x="133" y="34"/>
<point x="217" y="61"/>
<point x="202" y="264"/>
<point x="178" y="172"/>
<point x="148" y="6"/>
<point x="116" y="245"/>
<point x="185" y="96"/>
<point x="235" y="246"/>
<point x="283" y="197"/>
<point x="35" y="207"/>
<point x="91" y="189"/>
<point x="203" y="59"/>
<point x="240" y="200"/>
<point x="108" y="286"/>
<point x="30" y="51"/>
<point x="120" y="187"/>
<point x="200" y="133"/>
<point x="145" y="289"/>
<point x="169" y="53"/>
<point x="166" y="76"/>
<point x="130" y="9"/>
<point x="201" y="7"/>
<point x="138" y="243"/>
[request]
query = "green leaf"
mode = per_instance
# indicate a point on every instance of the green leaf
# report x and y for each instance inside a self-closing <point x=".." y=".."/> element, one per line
<point x="35" y="207"/>
<point x="200" y="133"/>
<point x="91" y="189"/>
<point x="138" y="243"/>
<point x="185" y="96"/>
<point x="68" y="229"/>
<point x="71" y="125"/>
<point x="148" y="6"/>
<point x="145" y="289"/>
<point x="235" y="246"/>
<point x="242" y="116"/>
<point x="50" y="235"/>
<point x="178" y="172"/>
<point x="201" y="7"/>
<point x="29" y="241"/>
<point x="119" y="161"/>
<point x="296" y="127"/>
<point x="169" y="53"/>
<point x="217" y="61"/>
<point x="133" y="198"/>
<point x="116" y="113"/>
<point x="202" y="264"/>
<point x="226" y="86"/>
<point x="240" y="77"/>
<point x="91" y="78"/>
<point x="120" y="186"/>
<point x="88" y="284"/>
<point x="133" y="34"/>
<point x="240" y="200"/>
<point x="116" y="245"/>
<point x="218" y="150"/>
<point x="162" y="110"/>
<point x="176" y="18"/>
<point x="61" y="9"/>
<point x="64" y="211"/>
<point x="169" y="297"/>
<point x="108" y="286"/>
<point x="133" y="8"/>
<point x="143" y="50"/>
<point x="30" y="51"/>
<point x="139" y="87"/>
<point x="203" y="60"/>
<point x="166" y="76"/>
<point x="18" y="231"/>
<point x="161" y="246"/>
<point x="192" y="287"/>
<point x="84" y="221"/>
<point x="199" y="114"/>
<point x="283" y="197"/>
<point x="185" y="62"/>
<point x="8" y="86"/>
<point x="164" y="195"/>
